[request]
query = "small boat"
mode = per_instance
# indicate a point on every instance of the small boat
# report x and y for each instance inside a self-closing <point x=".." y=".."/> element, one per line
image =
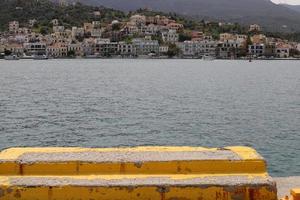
<point x="11" y="57"/>
<point x="40" y="57"/>
<point x="208" y="58"/>
<point x="26" y="57"/>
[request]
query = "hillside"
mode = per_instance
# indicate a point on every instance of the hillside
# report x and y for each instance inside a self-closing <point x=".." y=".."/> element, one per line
<point x="44" y="11"/>
<point x="292" y="7"/>
<point x="273" y="17"/>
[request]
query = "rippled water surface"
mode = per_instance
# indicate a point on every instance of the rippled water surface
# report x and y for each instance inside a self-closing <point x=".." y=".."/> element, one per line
<point x="103" y="103"/>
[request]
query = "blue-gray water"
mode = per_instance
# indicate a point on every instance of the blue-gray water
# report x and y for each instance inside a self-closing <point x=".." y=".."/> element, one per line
<point x="103" y="103"/>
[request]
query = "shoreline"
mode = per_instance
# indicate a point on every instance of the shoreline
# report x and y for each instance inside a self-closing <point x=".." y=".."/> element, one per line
<point x="144" y="58"/>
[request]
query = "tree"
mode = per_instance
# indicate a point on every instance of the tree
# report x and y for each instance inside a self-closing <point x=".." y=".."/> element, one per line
<point x="116" y="27"/>
<point x="7" y="52"/>
<point x="71" y="53"/>
<point x="173" y="50"/>
<point x="44" y="30"/>
<point x="184" y="36"/>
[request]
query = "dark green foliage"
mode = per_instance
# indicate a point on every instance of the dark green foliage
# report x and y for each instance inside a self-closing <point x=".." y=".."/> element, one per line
<point x="173" y="50"/>
<point x="183" y="37"/>
<point x="71" y="53"/>
<point x="44" y="11"/>
<point x="7" y="52"/>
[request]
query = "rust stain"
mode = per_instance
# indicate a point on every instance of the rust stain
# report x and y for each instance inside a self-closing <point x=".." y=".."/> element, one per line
<point x="122" y="168"/>
<point x="2" y="193"/>
<point x="21" y="169"/>
<point x="50" y="193"/>
<point x="251" y="194"/>
<point x="17" y="194"/>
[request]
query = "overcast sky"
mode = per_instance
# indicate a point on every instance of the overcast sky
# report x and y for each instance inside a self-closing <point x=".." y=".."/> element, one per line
<point x="295" y="2"/>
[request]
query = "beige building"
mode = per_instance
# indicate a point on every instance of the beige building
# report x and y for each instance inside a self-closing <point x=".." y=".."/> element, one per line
<point x="282" y="50"/>
<point x="57" y="50"/>
<point x="254" y="27"/>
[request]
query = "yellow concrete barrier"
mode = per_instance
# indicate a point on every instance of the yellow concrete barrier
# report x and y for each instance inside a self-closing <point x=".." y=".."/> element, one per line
<point x="142" y="160"/>
<point x="141" y="173"/>
<point x="295" y="194"/>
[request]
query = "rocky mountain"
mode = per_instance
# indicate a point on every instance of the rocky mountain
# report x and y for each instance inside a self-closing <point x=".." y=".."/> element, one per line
<point x="271" y="16"/>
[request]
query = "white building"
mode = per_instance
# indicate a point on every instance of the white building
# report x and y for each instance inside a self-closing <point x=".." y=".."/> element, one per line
<point x="126" y="49"/>
<point x="254" y="27"/>
<point x="257" y="50"/>
<point x="77" y="32"/>
<point x="57" y="50"/>
<point x="145" y="47"/>
<point x="97" y="33"/>
<point x="282" y="51"/>
<point x="13" y="26"/>
<point x="58" y="29"/>
<point x="198" y="48"/>
<point x="170" y="36"/>
<point x="228" y="49"/>
<point x="163" y="49"/>
<point x="55" y="22"/>
<point x="35" y="48"/>
<point x="298" y="47"/>
<point x="76" y="48"/>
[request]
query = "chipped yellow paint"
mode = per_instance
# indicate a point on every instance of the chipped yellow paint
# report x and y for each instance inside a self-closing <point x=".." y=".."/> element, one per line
<point x="134" y="193"/>
<point x="295" y="193"/>
<point x="251" y="166"/>
<point x="251" y="162"/>
<point x="176" y="167"/>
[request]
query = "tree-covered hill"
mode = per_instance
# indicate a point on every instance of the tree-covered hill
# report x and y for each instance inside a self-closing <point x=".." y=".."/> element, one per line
<point x="271" y="16"/>
<point x="44" y="11"/>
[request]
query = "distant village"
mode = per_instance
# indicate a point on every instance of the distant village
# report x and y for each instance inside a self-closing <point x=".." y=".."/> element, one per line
<point x="139" y="37"/>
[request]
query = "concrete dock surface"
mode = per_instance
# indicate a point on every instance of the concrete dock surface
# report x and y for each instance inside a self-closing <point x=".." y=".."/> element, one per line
<point x="285" y="184"/>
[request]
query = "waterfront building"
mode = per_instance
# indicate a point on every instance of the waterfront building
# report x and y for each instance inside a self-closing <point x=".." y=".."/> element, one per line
<point x="57" y="50"/>
<point x="15" y="49"/>
<point x="145" y="46"/>
<point x="298" y="46"/>
<point x="105" y="47"/>
<point x="126" y="49"/>
<point x="35" y="48"/>
<point x="163" y="49"/>
<point x="228" y="49"/>
<point x="188" y="48"/>
<point x="198" y="48"/>
<point x="76" y="48"/>
<point x="283" y="50"/>
<point x="257" y="50"/>
<point x="270" y="50"/>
